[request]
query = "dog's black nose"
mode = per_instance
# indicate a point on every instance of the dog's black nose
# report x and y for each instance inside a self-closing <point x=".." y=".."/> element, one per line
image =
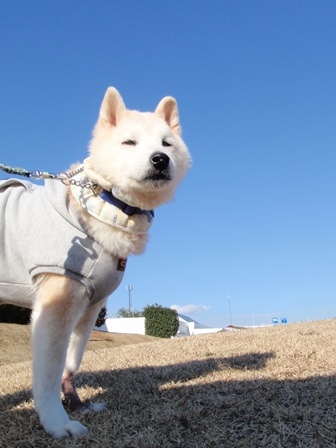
<point x="160" y="161"/>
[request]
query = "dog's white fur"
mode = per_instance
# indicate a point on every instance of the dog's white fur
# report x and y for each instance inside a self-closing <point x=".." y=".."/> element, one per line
<point x="120" y="151"/>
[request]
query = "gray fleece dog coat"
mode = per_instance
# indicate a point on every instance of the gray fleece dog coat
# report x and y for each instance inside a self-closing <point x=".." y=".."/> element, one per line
<point x="39" y="234"/>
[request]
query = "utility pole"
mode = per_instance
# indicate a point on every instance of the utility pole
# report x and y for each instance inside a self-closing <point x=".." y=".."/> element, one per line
<point x="129" y="288"/>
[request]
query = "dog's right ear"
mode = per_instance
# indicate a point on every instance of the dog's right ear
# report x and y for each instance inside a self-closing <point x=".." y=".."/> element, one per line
<point x="112" y="107"/>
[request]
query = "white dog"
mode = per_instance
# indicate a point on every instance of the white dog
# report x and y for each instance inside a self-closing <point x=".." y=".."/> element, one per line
<point x="64" y="246"/>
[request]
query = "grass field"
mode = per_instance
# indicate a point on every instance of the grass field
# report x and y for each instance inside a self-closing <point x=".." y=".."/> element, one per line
<point x="268" y="387"/>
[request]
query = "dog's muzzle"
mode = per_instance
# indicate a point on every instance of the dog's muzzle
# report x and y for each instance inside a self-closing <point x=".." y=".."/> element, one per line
<point x="160" y="171"/>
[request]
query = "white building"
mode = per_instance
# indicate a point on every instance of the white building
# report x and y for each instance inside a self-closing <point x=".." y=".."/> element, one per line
<point x="127" y="325"/>
<point x="136" y="325"/>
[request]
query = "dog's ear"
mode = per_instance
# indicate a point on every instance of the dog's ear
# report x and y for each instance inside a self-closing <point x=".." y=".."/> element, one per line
<point x="112" y="107"/>
<point x="167" y="109"/>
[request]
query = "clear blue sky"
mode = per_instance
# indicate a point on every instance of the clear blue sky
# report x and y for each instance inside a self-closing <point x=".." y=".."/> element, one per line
<point x="256" y="86"/>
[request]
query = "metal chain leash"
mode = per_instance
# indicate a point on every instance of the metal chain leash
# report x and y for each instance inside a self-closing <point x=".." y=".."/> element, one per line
<point x="65" y="177"/>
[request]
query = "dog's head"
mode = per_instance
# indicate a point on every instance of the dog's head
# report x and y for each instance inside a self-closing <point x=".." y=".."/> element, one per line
<point x="140" y="156"/>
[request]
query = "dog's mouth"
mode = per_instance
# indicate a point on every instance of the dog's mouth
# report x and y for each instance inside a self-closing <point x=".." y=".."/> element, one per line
<point x="158" y="179"/>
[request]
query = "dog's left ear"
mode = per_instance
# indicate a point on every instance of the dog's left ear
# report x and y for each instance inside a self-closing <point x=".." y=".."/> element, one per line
<point x="167" y="109"/>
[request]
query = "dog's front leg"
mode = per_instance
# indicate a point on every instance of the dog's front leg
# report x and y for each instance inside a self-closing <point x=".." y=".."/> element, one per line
<point x="78" y="341"/>
<point x="60" y="302"/>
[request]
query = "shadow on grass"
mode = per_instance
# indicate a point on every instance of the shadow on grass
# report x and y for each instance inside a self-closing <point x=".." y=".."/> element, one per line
<point x="171" y="406"/>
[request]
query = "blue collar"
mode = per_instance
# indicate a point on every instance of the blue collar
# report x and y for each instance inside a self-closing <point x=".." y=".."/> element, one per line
<point x="129" y="210"/>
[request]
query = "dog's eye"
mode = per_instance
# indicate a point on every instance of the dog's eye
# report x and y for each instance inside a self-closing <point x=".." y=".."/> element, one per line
<point x="129" y="142"/>
<point x="165" y="143"/>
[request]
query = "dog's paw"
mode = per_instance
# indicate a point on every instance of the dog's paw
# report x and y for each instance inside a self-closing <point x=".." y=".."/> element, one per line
<point x="70" y="429"/>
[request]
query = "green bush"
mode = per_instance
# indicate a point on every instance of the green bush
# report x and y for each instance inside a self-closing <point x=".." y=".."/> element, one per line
<point x="11" y="314"/>
<point x="160" y="322"/>
<point x="101" y="317"/>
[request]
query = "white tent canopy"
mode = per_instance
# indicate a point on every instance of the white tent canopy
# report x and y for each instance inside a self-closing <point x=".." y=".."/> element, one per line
<point x="190" y="327"/>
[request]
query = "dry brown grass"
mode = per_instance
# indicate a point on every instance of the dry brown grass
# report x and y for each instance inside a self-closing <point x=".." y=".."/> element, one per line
<point x="15" y="342"/>
<point x="271" y="387"/>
